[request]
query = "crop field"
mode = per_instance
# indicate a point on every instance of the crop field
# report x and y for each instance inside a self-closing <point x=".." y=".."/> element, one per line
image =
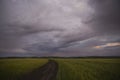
<point x="12" y="69"/>
<point x="68" y="69"/>
<point x="89" y="69"/>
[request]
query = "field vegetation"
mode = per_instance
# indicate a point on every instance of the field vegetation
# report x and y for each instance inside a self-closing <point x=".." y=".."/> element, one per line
<point x="12" y="69"/>
<point x="69" y="68"/>
<point x="89" y="69"/>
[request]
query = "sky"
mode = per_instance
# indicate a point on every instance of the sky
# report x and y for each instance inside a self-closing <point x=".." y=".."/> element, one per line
<point x="66" y="28"/>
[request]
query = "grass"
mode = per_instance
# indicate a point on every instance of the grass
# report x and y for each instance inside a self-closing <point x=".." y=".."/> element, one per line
<point x="69" y="69"/>
<point x="88" y="69"/>
<point x="12" y="69"/>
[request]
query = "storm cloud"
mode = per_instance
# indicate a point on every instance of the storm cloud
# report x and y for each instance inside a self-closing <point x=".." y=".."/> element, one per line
<point x="107" y="16"/>
<point x="58" y="27"/>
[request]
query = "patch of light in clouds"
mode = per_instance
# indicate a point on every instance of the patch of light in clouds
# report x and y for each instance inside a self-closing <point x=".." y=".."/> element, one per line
<point x="107" y="45"/>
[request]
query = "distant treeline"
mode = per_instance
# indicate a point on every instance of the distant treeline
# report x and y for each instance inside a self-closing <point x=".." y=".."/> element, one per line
<point x="66" y="57"/>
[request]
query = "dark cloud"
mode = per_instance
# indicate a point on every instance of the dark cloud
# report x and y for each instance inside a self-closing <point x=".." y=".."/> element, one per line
<point x="11" y="35"/>
<point x="58" y="27"/>
<point x="22" y="30"/>
<point x="107" y="16"/>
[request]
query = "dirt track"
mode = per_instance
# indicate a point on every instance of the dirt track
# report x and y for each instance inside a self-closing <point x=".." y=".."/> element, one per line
<point x="46" y="72"/>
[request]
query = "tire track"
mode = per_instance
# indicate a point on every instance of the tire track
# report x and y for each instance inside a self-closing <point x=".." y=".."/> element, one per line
<point x="46" y="72"/>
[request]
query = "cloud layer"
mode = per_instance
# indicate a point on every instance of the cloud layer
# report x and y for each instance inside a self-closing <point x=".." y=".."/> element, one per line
<point x="58" y="27"/>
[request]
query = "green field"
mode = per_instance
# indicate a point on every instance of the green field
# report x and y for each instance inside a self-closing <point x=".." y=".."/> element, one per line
<point x="89" y="69"/>
<point x="69" y="69"/>
<point x="12" y="69"/>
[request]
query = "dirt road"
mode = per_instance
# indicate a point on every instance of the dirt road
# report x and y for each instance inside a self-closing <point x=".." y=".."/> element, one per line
<point x="46" y="72"/>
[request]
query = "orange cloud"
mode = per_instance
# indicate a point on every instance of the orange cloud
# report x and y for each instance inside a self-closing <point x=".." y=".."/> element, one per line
<point x="97" y="47"/>
<point x="107" y="45"/>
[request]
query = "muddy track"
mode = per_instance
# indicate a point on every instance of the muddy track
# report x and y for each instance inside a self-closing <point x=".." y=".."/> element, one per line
<point x="46" y="72"/>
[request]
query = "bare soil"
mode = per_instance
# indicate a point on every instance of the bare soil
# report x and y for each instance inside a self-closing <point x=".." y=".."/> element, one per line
<point x="46" y="72"/>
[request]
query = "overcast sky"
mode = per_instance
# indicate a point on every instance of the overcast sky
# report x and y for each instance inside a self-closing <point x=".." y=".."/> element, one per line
<point x="59" y="28"/>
